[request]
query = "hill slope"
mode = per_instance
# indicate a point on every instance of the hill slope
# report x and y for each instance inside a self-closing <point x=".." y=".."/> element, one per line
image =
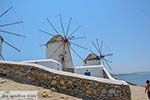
<point x="43" y="94"/>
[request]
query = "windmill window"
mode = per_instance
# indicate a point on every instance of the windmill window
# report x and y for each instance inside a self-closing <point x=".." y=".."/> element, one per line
<point x="87" y="73"/>
<point x="62" y="59"/>
<point x="85" y="61"/>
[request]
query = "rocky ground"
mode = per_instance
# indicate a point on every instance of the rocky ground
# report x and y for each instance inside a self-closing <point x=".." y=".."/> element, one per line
<point x="46" y="94"/>
<point x="43" y="94"/>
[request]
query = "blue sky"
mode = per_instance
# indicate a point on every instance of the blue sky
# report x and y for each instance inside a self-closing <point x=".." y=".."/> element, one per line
<point x="123" y="25"/>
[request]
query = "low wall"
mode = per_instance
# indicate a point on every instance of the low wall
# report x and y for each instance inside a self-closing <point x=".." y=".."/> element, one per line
<point x="85" y="87"/>
<point x="68" y="70"/>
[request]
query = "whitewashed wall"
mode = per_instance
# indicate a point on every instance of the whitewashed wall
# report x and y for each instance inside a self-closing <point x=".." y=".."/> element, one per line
<point x="50" y="63"/>
<point x="96" y="71"/>
<point x="92" y="62"/>
<point x="55" y="49"/>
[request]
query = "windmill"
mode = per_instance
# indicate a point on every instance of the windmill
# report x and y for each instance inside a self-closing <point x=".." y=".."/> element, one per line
<point x="99" y="58"/>
<point x="60" y="45"/>
<point x="2" y="40"/>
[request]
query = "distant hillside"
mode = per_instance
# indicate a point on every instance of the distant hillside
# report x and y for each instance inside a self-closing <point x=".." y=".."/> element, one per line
<point x="143" y="72"/>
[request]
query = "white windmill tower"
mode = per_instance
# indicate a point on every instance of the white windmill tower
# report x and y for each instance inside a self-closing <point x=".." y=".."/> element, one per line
<point x="99" y="58"/>
<point x="59" y="46"/>
<point x="2" y="40"/>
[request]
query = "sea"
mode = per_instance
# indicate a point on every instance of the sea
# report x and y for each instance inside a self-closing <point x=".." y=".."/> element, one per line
<point x="137" y="78"/>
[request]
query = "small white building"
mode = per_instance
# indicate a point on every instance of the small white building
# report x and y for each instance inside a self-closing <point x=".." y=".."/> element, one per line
<point x="93" y="70"/>
<point x="93" y="67"/>
<point x="50" y="63"/>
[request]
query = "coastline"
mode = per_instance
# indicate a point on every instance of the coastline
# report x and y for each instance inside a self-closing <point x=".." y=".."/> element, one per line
<point x="138" y="79"/>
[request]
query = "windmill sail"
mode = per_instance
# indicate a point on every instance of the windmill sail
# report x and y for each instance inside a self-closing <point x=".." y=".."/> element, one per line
<point x="3" y="41"/>
<point x="99" y="58"/>
<point x="59" y="47"/>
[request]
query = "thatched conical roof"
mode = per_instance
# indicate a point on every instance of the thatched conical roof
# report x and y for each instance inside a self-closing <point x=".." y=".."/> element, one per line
<point x="55" y="38"/>
<point x="92" y="56"/>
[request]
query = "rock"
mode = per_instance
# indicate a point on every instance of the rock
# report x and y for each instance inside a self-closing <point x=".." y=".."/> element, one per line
<point x="94" y="92"/>
<point x="54" y="77"/>
<point x="118" y="91"/>
<point x="69" y="82"/>
<point x="54" y="82"/>
<point x="62" y="97"/>
<point x="63" y="87"/>
<point x="96" y="84"/>
<point x="62" y="82"/>
<point x="5" y="71"/>
<point x="49" y="77"/>
<point x="112" y="91"/>
<point x="53" y="89"/>
<point x="1" y="82"/>
<point x="88" y="92"/>
<point x="104" y="91"/>
<point x="45" y="94"/>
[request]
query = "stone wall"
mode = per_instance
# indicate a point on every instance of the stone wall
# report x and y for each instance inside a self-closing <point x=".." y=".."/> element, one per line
<point x="68" y="70"/>
<point x="85" y="87"/>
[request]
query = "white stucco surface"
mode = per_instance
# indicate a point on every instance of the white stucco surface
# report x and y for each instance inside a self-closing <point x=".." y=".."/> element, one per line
<point x="95" y="70"/>
<point x="92" y="62"/>
<point x="51" y="63"/>
<point x="58" y="50"/>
